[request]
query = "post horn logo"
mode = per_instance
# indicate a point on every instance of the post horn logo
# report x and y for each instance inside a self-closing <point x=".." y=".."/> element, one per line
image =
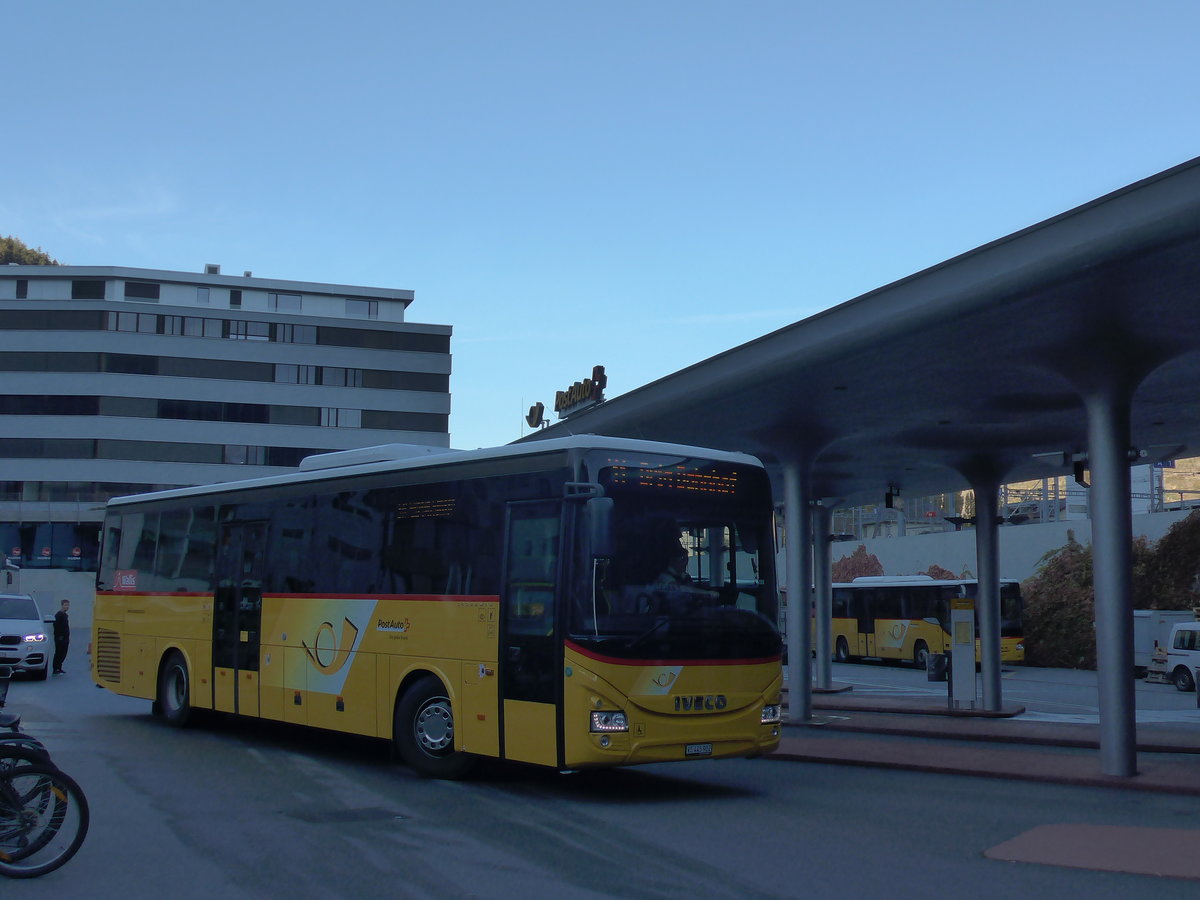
<point x="327" y="654"/>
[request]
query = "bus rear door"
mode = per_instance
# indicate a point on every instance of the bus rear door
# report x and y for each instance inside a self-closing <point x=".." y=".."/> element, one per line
<point x="237" y="617"/>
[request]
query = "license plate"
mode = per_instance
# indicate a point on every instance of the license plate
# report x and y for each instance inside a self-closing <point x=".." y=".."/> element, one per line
<point x="697" y="750"/>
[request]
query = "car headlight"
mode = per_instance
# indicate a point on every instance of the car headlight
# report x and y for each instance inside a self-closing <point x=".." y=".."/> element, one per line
<point x="772" y="713"/>
<point x="34" y="638"/>
<point x="609" y="720"/>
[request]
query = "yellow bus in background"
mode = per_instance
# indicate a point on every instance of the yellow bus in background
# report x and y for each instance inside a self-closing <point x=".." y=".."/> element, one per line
<point x="908" y="617"/>
<point x="514" y="603"/>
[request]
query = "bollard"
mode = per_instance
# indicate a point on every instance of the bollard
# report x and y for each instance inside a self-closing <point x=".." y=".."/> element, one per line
<point x="935" y="667"/>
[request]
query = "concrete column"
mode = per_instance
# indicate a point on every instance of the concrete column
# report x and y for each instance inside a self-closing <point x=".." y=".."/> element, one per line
<point x="987" y="595"/>
<point x="822" y="519"/>
<point x="797" y="522"/>
<point x="1112" y="535"/>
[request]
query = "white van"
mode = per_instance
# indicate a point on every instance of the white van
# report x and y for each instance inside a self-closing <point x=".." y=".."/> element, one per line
<point x="24" y="643"/>
<point x="1183" y="654"/>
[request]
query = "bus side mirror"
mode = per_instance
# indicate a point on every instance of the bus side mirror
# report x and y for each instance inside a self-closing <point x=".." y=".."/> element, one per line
<point x="598" y="517"/>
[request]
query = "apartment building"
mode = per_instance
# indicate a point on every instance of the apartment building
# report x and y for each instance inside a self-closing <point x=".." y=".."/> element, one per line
<point x="119" y="380"/>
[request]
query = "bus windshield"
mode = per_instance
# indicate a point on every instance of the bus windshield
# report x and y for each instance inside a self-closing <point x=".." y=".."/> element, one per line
<point x="691" y="575"/>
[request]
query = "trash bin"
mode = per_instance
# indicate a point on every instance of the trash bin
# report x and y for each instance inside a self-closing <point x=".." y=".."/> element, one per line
<point x="936" y="666"/>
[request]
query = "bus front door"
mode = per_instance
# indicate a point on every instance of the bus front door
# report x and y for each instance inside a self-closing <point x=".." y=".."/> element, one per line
<point x="530" y="667"/>
<point x="237" y="617"/>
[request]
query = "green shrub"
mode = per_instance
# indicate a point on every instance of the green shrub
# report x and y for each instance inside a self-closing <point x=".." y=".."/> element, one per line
<point x="1060" y="601"/>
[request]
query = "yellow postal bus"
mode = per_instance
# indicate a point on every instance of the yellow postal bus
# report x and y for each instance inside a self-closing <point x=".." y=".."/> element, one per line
<point x="907" y="617"/>
<point x="518" y="603"/>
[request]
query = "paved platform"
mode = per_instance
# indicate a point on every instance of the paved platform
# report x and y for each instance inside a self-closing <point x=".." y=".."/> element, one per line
<point x="925" y="736"/>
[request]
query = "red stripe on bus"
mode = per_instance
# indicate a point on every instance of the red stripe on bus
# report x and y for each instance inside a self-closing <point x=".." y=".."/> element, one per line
<point x="425" y="598"/>
<point x="431" y="598"/>
<point x="613" y="660"/>
<point x="153" y="594"/>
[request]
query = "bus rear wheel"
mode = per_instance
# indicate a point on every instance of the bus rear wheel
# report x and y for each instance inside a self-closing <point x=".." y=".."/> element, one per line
<point x="841" y="650"/>
<point x="174" y="702"/>
<point x="423" y="731"/>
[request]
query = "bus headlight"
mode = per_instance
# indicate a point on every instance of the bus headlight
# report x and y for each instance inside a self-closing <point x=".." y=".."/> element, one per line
<point x="609" y="720"/>
<point x="772" y="713"/>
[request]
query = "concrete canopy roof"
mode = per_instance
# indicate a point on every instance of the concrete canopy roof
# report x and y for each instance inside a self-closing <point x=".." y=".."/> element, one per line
<point x="978" y="364"/>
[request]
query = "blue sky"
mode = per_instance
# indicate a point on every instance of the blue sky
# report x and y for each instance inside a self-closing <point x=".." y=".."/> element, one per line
<point x="634" y="184"/>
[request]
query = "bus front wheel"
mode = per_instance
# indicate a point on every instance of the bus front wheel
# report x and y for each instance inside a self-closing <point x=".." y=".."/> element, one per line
<point x="174" y="691"/>
<point x="423" y="731"/>
<point x="921" y="655"/>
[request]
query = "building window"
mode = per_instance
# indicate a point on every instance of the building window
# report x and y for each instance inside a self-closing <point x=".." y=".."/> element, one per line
<point x="289" y="374"/>
<point x="235" y="299"/>
<point x="332" y="417"/>
<point x="145" y="323"/>
<point x="362" y="309"/>
<point x="240" y="455"/>
<point x="184" y="326"/>
<point x="340" y="377"/>
<point x="283" y="302"/>
<point x="248" y="331"/>
<point x="370" y="339"/>
<point x="22" y="288"/>
<point x="295" y="334"/>
<point x="87" y="290"/>
<point x="202" y="296"/>
<point x="141" y="290"/>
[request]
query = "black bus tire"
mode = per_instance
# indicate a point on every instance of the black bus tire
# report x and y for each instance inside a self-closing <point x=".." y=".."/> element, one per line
<point x="174" y="701"/>
<point x="921" y="655"/>
<point x="841" y="651"/>
<point x="423" y="731"/>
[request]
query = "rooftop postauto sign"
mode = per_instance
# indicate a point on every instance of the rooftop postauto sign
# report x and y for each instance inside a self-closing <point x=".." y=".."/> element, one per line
<point x="579" y="396"/>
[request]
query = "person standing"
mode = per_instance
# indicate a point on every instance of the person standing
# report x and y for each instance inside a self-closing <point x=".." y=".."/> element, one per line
<point x="62" y="636"/>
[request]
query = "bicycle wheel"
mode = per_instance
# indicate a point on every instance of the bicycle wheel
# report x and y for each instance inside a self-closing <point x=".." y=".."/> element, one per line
<point x="43" y="819"/>
<point x="15" y="753"/>
<point x="21" y="739"/>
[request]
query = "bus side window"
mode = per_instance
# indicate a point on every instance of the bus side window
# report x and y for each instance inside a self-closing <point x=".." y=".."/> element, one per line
<point x="887" y="604"/>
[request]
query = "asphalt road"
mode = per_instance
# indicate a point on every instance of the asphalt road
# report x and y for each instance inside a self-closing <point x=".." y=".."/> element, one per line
<point x="241" y="810"/>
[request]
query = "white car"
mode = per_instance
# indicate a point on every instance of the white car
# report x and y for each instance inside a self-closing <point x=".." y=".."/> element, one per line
<point x="24" y="642"/>
<point x="1183" y="655"/>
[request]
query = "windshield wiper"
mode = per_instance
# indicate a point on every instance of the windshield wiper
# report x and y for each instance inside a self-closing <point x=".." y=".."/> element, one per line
<point x="663" y="620"/>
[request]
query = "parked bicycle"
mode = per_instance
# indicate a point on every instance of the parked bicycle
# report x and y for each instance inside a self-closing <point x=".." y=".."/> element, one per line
<point x="43" y="811"/>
